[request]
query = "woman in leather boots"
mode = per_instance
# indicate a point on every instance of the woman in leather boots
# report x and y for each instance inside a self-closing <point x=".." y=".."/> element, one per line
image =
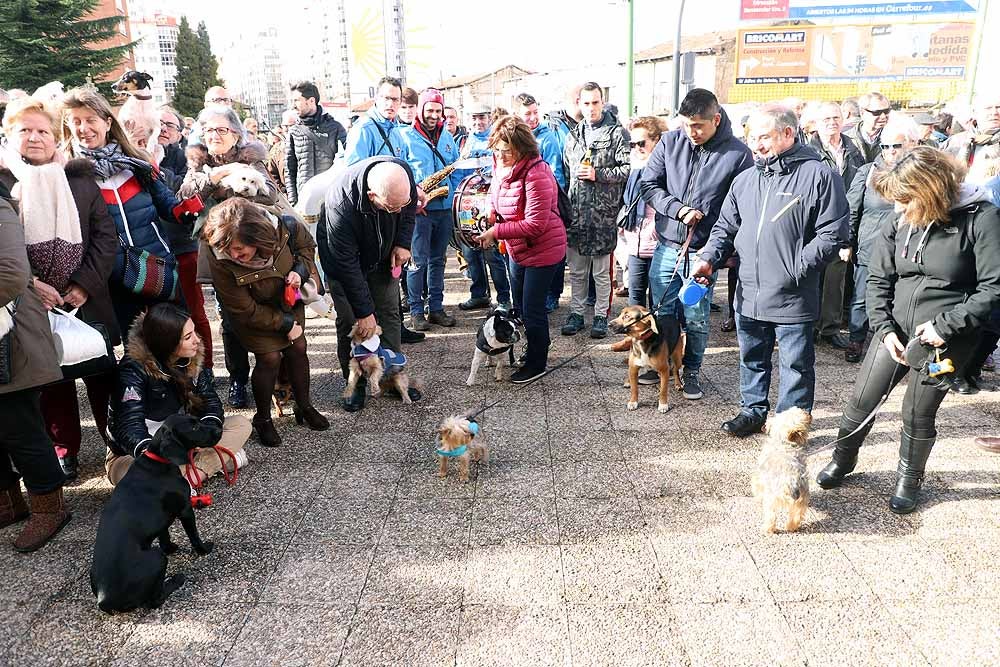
<point x="934" y="276"/>
<point x="258" y="263"/>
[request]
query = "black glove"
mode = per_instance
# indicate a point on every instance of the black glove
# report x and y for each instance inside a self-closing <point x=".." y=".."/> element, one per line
<point x="187" y="218"/>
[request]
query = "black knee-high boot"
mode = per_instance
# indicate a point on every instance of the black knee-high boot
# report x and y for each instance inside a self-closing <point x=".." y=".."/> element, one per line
<point x="845" y="455"/>
<point x="913" y="455"/>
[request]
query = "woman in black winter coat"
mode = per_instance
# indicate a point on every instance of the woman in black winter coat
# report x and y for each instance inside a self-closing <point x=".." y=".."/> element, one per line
<point x="162" y="375"/>
<point x="934" y="278"/>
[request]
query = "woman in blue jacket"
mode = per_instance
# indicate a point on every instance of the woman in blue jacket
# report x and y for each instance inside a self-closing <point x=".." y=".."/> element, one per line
<point x="139" y="201"/>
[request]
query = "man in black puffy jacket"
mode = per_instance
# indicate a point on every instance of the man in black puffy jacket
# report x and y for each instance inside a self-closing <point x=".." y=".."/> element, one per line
<point x="786" y="218"/>
<point x="313" y="143"/>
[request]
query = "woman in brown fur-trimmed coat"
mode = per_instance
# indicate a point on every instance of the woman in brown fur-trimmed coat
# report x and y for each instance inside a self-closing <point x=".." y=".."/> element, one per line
<point x="163" y="375"/>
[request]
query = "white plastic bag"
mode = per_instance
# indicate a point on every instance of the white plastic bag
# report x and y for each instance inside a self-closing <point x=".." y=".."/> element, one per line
<point x="76" y="341"/>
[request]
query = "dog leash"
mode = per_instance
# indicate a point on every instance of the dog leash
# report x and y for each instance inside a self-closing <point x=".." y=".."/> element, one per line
<point x="194" y="476"/>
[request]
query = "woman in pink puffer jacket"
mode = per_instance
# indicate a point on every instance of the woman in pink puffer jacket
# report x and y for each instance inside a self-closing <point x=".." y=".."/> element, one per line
<point x="524" y="201"/>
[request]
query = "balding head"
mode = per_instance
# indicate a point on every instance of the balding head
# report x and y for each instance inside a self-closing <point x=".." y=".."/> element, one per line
<point x="218" y="95"/>
<point x="389" y="186"/>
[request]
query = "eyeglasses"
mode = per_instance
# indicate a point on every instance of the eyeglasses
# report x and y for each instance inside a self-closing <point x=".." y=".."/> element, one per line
<point x="221" y="131"/>
<point x="220" y="100"/>
<point x="638" y="144"/>
<point x="389" y="209"/>
<point x="886" y="147"/>
<point x="169" y="126"/>
<point x="879" y="112"/>
<point x="391" y="100"/>
<point x="503" y="151"/>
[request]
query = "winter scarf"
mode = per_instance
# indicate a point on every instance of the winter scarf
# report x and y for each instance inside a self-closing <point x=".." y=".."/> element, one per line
<point x="110" y="160"/>
<point x="51" y="220"/>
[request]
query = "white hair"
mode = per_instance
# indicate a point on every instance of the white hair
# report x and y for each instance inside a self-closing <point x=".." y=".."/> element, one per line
<point x="780" y="116"/>
<point x="900" y="123"/>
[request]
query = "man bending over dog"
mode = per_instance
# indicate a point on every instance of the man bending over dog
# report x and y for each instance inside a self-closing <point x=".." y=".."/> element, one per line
<point x="787" y="218"/>
<point x="364" y="243"/>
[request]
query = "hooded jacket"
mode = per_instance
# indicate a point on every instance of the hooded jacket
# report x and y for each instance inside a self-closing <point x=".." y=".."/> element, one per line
<point x="311" y="148"/>
<point x="947" y="274"/>
<point x="786" y="218"/>
<point x="369" y="137"/>
<point x="551" y="150"/>
<point x="680" y="174"/>
<point x="869" y="211"/>
<point x="146" y="395"/>
<point x="357" y="238"/>
<point x="561" y="123"/>
<point x="414" y="147"/>
<point x="595" y="204"/>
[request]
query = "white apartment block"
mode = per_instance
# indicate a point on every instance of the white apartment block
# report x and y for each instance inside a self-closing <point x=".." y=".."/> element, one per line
<point x="251" y="67"/>
<point x="156" y="52"/>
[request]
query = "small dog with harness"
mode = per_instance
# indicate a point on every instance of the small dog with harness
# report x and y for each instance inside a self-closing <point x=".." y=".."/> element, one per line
<point x="780" y="481"/>
<point x="127" y="570"/>
<point x="379" y="365"/>
<point x="655" y="342"/>
<point x="496" y="337"/>
<point x="460" y="438"/>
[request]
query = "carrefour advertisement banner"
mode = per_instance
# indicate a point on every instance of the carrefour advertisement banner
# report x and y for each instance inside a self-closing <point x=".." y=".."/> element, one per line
<point x="841" y="53"/>
<point x="760" y="10"/>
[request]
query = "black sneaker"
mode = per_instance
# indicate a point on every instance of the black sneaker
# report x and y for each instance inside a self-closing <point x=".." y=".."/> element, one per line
<point x="692" y="388"/>
<point x="441" y="318"/>
<point x="599" y="329"/>
<point x="237" y="394"/>
<point x="409" y="337"/>
<point x="475" y="303"/>
<point x="70" y="466"/>
<point x="574" y="325"/>
<point x="419" y="322"/>
<point x="743" y="425"/>
<point x="649" y="377"/>
<point x="357" y="400"/>
<point x="551" y="304"/>
<point x="525" y="375"/>
<point x="963" y="386"/>
<point x="837" y="341"/>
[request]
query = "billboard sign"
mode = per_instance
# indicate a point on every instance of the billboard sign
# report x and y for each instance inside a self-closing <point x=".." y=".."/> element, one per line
<point x="844" y="53"/>
<point x="769" y="10"/>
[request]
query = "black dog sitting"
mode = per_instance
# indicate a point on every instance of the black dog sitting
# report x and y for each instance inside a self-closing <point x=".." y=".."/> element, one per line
<point x="496" y="338"/>
<point x="128" y="571"/>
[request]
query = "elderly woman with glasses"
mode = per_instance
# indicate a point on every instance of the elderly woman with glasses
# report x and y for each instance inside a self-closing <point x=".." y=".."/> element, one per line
<point x="934" y="278"/>
<point x="224" y="144"/>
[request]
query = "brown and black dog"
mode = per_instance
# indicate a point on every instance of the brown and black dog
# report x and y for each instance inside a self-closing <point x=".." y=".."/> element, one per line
<point x="653" y="341"/>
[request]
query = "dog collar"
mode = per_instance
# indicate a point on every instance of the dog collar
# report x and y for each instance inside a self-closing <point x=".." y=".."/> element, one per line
<point x="648" y="333"/>
<point x="155" y="457"/>
<point x="458" y="451"/>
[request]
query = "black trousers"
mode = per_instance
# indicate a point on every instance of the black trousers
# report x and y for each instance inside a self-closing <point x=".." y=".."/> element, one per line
<point x="384" y="290"/>
<point x="25" y="442"/>
<point x="237" y="357"/>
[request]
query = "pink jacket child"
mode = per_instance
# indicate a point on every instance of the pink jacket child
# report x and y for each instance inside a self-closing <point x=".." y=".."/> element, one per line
<point x="527" y="200"/>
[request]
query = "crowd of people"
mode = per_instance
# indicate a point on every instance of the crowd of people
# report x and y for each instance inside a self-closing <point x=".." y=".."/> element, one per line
<point x="825" y="214"/>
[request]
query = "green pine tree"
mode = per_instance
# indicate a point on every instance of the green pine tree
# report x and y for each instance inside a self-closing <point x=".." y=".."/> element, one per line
<point x="189" y="95"/>
<point x="53" y="40"/>
<point x="209" y="63"/>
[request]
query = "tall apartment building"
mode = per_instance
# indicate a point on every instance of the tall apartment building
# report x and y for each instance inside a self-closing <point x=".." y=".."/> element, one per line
<point x="156" y="53"/>
<point x="118" y="8"/>
<point x="251" y="67"/>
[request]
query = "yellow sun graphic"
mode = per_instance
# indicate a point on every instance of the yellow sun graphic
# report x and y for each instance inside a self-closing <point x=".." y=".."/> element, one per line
<point x="368" y="45"/>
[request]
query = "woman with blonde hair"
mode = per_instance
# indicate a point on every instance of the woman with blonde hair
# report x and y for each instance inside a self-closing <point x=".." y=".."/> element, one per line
<point x="255" y="259"/>
<point x="934" y="279"/>
<point x="140" y="203"/>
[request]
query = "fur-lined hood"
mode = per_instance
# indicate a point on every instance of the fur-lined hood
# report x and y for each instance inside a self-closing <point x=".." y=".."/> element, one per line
<point x="141" y="354"/>
<point x="251" y="152"/>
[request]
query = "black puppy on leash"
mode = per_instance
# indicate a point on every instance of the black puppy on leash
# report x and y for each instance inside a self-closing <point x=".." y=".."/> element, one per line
<point x="128" y="571"/>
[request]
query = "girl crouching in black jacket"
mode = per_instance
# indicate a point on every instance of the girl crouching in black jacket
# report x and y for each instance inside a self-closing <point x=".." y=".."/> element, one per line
<point x="162" y="375"/>
<point x="934" y="276"/>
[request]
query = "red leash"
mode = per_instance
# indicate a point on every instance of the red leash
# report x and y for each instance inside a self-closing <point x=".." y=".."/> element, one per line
<point x="194" y="478"/>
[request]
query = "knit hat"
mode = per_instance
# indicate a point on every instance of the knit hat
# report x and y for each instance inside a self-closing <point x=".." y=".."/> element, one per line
<point x="429" y="95"/>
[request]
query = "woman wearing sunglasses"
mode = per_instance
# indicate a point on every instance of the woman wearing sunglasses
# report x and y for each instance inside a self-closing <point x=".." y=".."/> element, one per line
<point x="934" y="279"/>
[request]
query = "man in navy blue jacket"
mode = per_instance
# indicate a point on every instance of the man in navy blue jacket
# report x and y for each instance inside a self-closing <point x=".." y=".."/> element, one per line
<point x="786" y="218"/>
<point x="686" y="181"/>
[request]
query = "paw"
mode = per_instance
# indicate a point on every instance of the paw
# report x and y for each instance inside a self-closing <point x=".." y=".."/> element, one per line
<point x="632" y="405"/>
<point x="204" y="549"/>
<point x="663" y="408"/>
<point x="168" y="548"/>
<point x="470" y="382"/>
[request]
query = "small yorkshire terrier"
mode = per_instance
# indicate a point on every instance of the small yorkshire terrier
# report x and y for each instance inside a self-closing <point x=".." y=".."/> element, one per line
<point x="460" y="438"/>
<point x="380" y="366"/>
<point x="781" y="480"/>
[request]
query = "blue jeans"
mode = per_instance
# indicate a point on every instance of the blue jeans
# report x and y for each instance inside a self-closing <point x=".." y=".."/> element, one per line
<point x="478" y="260"/>
<point x="431" y="234"/>
<point x="661" y="268"/>
<point x="796" y="359"/>
<point x="638" y="281"/>
<point x="529" y="287"/>
<point x="558" y="280"/>
<point x="858" y="326"/>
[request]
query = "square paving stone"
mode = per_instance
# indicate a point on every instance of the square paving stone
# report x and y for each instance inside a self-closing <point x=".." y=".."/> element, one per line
<point x="584" y="520"/>
<point x="344" y="520"/>
<point x="592" y="479"/>
<point x="421" y="481"/>
<point x="361" y="480"/>
<point x="625" y="636"/>
<point x="83" y="634"/>
<point x="747" y="521"/>
<point x="258" y="518"/>
<point x="798" y="570"/>
<point x="918" y="571"/>
<point x="612" y="572"/>
<point x="426" y="575"/>
<point x="603" y="445"/>
<point x="514" y="575"/>
<point x="18" y="617"/>
<point x="850" y="632"/>
<point x="952" y="632"/>
<point x="704" y="572"/>
<point x="292" y="636"/>
<point x="857" y="518"/>
<point x="234" y="572"/>
<point x="371" y="447"/>
<point x="529" y="447"/>
<point x="321" y="573"/>
<point x="44" y="573"/>
<point x="523" y="636"/>
<point x="281" y="483"/>
<point x="501" y="480"/>
<point x="421" y="522"/>
<point x="737" y="634"/>
<point x="183" y="635"/>
<point x="394" y="636"/>
<point x="514" y="521"/>
<point x="688" y="518"/>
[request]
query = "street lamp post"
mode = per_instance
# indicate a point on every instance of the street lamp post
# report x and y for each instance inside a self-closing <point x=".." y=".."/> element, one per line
<point x="677" y="62"/>
<point x="630" y="66"/>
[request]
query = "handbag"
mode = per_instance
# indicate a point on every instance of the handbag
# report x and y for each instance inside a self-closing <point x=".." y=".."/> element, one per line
<point x="145" y="274"/>
<point x="82" y="348"/>
<point x="6" y="341"/>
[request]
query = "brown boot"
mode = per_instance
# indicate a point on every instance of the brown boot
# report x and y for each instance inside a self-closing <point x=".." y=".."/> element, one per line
<point x="12" y="506"/>
<point x="48" y="516"/>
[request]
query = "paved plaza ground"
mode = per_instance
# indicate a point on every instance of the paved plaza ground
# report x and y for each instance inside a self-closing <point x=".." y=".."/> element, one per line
<point x="595" y="536"/>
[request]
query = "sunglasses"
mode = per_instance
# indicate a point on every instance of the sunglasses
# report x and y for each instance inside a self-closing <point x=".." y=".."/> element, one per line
<point x="220" y="100"/>
<point x="879" y="112"/>
<point x="886" y="147"/>
<point x="638" y="144"/>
